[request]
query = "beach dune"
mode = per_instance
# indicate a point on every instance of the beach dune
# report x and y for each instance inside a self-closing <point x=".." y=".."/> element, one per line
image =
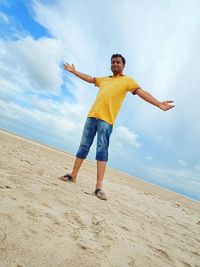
<point x="47" y="222"/>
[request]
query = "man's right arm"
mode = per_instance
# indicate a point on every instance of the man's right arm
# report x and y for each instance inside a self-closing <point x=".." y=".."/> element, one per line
<point x="83" y="76"/>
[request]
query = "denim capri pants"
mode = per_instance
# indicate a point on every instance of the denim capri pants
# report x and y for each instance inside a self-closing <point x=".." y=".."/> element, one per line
<point x="103" y="130"/>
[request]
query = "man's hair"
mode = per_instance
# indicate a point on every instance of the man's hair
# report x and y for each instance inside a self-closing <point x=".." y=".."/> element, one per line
<point x="118" y="55"/>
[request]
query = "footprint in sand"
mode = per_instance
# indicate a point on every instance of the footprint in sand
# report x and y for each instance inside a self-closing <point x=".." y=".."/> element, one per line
<point x="161" y="252"/>
<point x="54" y="184"/>
<point x="176" y="205"/>
<point x="88" y="193"/>
<point x="5" y="187"/>
<point x="41" y="172"/>
<point x="124" y="227"/>
<point x="27" y="161"/>
<point x="46" y="205"/>
<point x="185" y="264"/>
<point x="132" y="262"/>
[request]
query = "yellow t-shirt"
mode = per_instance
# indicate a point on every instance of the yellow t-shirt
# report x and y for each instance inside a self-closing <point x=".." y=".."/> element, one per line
<point x="112" y="91"/>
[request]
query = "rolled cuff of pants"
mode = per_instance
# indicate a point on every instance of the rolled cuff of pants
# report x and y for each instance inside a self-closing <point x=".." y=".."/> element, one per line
<point x="82" y="152"/>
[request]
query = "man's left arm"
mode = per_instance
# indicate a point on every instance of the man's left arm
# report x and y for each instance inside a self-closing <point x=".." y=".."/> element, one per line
<point x="165" y="105"/>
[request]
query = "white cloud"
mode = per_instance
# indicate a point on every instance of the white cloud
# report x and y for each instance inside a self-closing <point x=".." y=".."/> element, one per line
<point x="185" y="180"/>
<point x="80" y="46"/>
<point x="31" y="66"/>
<point x="52" y="124"/>
<point x="11" y="29"/>
<point x="149" y="158"/>
<point x="127" y="137"/>
<point x="33" y="70"/>
<point x="38" y="60"/>
<point x="4" y="18"/>
<point x="197" y="168"/>
<point x="182" y="162"/>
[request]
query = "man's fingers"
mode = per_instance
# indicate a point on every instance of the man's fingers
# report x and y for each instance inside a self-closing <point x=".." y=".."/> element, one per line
<point x="167" y="103"/>
<point x="167" y="106"/>
<point x="171" y="106"/>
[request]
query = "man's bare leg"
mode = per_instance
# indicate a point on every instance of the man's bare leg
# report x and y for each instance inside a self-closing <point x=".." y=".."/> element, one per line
<point x="72" y="176"/>
<point x="101" y="166"/>
<point x="77" y="164"/>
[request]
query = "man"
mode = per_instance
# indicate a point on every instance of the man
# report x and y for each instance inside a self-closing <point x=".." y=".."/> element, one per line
<point x="102" y="115"/>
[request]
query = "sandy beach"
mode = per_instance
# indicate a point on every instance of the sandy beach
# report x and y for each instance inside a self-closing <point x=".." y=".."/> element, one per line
<point x="47" y="222"/>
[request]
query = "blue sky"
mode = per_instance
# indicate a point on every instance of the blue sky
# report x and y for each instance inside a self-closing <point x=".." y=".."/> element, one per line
<point x="160" y="41"/>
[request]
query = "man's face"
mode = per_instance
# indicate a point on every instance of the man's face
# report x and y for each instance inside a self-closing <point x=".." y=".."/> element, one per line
<point x="117" y="65"/>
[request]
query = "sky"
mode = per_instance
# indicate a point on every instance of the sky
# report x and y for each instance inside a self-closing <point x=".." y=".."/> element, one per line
<point x="160" y="41"/>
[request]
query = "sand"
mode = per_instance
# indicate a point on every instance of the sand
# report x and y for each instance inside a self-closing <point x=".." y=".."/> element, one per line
<point x="47" y="222"/>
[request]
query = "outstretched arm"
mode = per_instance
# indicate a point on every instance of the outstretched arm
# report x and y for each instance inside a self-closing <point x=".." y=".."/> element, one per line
<point x="165" y="105"/>
<point x="85" y="77"/>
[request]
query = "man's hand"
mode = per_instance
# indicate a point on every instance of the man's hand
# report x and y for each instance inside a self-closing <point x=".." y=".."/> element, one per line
<point x="83" y="76"/>
<point x="165" y="105"/>
<point x="68" y="67"/>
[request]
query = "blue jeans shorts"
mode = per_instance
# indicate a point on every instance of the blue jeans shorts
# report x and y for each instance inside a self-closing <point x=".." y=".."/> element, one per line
<point x="103" y="130"/>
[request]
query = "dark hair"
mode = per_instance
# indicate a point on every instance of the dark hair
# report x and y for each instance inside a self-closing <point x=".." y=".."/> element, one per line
<point x="118" y="55"/>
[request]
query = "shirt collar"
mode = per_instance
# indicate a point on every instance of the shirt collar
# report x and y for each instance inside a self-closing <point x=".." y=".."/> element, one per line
<point x="118" y="75"/>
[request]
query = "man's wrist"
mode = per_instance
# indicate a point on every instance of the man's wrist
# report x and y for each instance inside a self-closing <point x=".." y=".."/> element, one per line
<point x="73" y="71"/>
<point x="159" y="105"/>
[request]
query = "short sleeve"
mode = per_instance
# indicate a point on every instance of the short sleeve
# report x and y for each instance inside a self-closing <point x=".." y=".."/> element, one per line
<point x="132" y="85"/>
<point x="98" y="81"/>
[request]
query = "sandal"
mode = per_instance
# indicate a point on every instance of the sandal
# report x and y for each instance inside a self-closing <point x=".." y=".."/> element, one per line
<point x="66" y="178"/>
<point x="100" y="194"/>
